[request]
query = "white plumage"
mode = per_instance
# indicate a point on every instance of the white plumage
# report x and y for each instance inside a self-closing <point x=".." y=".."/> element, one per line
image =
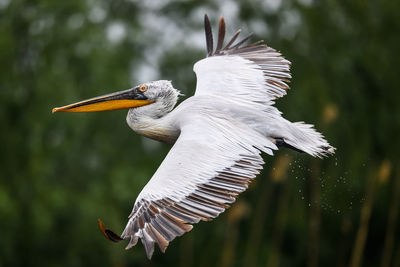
<point x="218" y="136"/>
<point x="223" y="129"/>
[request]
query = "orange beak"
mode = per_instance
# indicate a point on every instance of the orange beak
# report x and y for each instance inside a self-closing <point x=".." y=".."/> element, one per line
<point x="130" y="98"/>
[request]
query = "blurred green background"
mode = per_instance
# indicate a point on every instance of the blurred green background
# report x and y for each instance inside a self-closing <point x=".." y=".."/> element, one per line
<point x="59" y="173"/>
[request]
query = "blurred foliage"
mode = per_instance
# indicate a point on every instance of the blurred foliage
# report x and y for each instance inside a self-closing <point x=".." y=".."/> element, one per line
<point x="59" y="173"/>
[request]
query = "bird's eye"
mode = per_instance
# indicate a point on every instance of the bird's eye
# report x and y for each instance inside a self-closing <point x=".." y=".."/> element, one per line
<point x="143" y="88"/>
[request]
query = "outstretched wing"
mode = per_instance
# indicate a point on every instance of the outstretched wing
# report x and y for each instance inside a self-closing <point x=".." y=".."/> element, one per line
<point x="212" y="161"/>
<point x="256" y="73"/>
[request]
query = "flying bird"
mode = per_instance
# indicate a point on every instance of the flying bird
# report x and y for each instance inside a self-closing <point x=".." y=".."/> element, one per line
<point x="218" y="136"/>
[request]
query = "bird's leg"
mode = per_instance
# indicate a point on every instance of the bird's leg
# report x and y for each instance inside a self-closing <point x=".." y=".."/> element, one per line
<point x="280" y="142"/>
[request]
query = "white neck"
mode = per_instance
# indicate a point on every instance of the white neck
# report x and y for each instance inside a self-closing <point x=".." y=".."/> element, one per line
<point x="153" y="121"/>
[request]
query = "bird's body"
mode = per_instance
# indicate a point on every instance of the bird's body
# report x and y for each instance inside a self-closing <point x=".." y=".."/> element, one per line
<point x="218" y="136"/>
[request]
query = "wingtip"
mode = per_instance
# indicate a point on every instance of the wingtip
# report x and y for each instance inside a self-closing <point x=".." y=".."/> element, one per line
<point x="108" y="234"/>
<point x="221" y="20"/>
<point x="132" y="242"/>
<point x="148" y="245"/>
<point x="209" y="37"/>
<point x="221" y="34"/>
<point x="206" y="21"/>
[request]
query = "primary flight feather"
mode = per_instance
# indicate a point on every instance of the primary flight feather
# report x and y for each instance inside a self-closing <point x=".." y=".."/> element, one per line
<point x="218" y="136"/>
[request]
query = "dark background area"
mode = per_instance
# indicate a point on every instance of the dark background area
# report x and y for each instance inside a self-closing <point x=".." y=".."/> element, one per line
<point x="59" y="173"/>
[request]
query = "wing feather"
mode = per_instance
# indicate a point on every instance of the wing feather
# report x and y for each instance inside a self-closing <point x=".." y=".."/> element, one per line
<point x="209" y="35"/>
<point x="257" y="58"/>
<point x="233" y="39"/>
<point x="221" y="34"/>
<point x="197" y="181"/>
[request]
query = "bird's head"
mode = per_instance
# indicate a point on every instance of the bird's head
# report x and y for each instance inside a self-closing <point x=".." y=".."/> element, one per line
<point x="161" y="92"/>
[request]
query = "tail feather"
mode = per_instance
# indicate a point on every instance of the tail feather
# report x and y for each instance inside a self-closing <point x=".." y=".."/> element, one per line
<point x="305" y="138"/>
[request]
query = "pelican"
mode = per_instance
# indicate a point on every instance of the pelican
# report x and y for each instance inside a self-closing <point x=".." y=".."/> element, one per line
<point x="218" y="136"/>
